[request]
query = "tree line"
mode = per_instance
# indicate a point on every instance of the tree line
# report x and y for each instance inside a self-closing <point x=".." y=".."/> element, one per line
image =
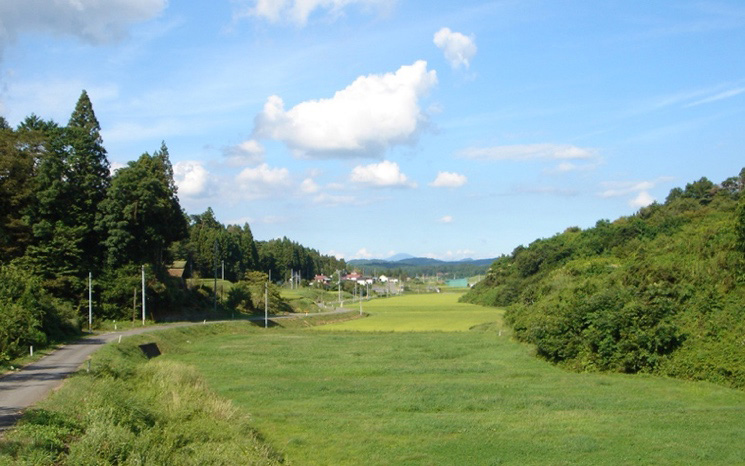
<point x="64" y="215"/>
<point x="660" y="291"/>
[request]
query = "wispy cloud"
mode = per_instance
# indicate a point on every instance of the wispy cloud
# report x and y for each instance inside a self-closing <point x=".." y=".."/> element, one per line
<point x="720" y="96"/>
<point x="522" y="152"/>
<point x="298" y="11"/>
<point x="640" y="190"/>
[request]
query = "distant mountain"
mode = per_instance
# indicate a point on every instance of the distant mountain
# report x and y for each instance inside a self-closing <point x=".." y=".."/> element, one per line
<point x="398" y="257"/>
<point x="423" y="265"/>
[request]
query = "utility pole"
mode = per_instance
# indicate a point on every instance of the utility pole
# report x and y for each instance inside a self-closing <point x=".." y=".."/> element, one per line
<point x="222" y="284"/>
<point x="266" y="304"/>
<point x="215" y="287"/>
<point x="90" y="301"/>
<point x="339" y="275"/>
<point x="143" y="295"/>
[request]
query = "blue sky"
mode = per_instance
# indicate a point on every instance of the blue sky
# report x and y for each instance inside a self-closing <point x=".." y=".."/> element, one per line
<point x="365" y="128"/>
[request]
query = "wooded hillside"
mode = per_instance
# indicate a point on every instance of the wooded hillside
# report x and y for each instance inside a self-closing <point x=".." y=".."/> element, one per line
<point x="64" y="215"/>
<point x="660" y="291"/>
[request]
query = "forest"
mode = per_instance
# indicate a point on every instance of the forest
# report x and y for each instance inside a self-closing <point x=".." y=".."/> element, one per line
<point x="660" y="291"/>
<point x="65" y="217"/>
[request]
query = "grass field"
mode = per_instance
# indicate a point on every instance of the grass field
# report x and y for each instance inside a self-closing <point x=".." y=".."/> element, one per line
<point x="391" y="392"/>
<point x="417" y="313"/>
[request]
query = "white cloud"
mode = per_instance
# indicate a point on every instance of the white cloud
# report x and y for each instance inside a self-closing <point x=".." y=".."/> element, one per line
<point x="261" y="182"/>
<point x="446" y="219"/>
<point x="364" y="119"/>
<point x="383" y="174"/>
<point x="93" y="21"/>
<point x="249" y="152"/>
<point x="458" y="48"/>
<point x="720" y="96"/>
<point x="622" y="188"/>
<point x="521" y="152"/>
<point x="338" y="255"/>
<point x="452" y="255"/>
<point x="641" y="190"/>
<point x="363" y="253"/>
<point x="449" y="180"/>
<point x="308" y="186"/>
<point x="115" y="166"/>
<point x="193" y="180"/>
<point x="643" y="199"/>
<point x="298" y="11"/>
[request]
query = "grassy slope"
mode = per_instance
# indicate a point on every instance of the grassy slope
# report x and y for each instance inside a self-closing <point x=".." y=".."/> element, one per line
<point x="457" y="397"/>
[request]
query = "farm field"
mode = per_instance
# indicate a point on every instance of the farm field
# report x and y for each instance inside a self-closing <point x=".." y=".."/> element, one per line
<point x="400" y="387"/>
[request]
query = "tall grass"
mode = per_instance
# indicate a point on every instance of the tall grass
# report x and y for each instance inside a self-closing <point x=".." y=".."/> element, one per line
<point x="128" y="410"/>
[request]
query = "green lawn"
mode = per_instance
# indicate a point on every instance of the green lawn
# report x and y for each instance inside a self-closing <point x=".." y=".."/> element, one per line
<point x="390" y="396"/>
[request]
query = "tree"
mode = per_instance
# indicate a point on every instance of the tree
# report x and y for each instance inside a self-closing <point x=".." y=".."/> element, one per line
<point x="141" y="214"/>
<point x="89" y="176"/>
<point x="16" y="174"/>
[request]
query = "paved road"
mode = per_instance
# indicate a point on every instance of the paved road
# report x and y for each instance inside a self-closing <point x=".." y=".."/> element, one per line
<point x="21" y="389"/>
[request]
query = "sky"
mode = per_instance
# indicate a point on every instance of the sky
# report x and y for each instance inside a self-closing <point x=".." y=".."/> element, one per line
<point x="368" y="128"/>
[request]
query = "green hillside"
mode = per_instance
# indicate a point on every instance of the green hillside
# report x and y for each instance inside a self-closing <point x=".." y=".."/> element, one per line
<point x="661" y="291"/>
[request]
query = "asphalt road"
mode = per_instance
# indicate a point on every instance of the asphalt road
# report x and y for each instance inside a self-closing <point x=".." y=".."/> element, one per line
<point x="19" y="390"/>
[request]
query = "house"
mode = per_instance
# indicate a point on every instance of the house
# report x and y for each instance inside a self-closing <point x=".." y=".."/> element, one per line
<point x="322" y="279"/>
<point x="354" y="276"/>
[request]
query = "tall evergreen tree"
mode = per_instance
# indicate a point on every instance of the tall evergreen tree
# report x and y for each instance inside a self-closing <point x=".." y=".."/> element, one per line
<point x="89" y="175"/>
<point x="141" y="213"/>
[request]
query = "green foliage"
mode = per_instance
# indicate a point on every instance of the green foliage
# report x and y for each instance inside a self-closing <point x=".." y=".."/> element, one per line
<point x="655" y="292"/>
<point x="239" y="298"/>
<point x="28" y="314"/>
<point x="141" y="213"/>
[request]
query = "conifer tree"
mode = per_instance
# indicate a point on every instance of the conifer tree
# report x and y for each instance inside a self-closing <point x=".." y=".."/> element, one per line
<point x="89" y="176"/>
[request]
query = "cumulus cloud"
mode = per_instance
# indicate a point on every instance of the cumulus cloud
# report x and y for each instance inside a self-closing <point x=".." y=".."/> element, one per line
<point x="298" y="11"/>
<point x="362" y="120"/>
<point x="449" y="180"/>
<point x="383" y="174"/>
<point x="459" y="49"/>
<point x="93" y="21"/>
<point x="521" y="152"/>
<point x="261" y="182"/>
<point x="193" y="180"/>
<point x="249" y="152"/>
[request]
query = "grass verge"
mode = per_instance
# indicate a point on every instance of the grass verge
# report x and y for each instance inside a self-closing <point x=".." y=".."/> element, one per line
<point x="129" y="410"/>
